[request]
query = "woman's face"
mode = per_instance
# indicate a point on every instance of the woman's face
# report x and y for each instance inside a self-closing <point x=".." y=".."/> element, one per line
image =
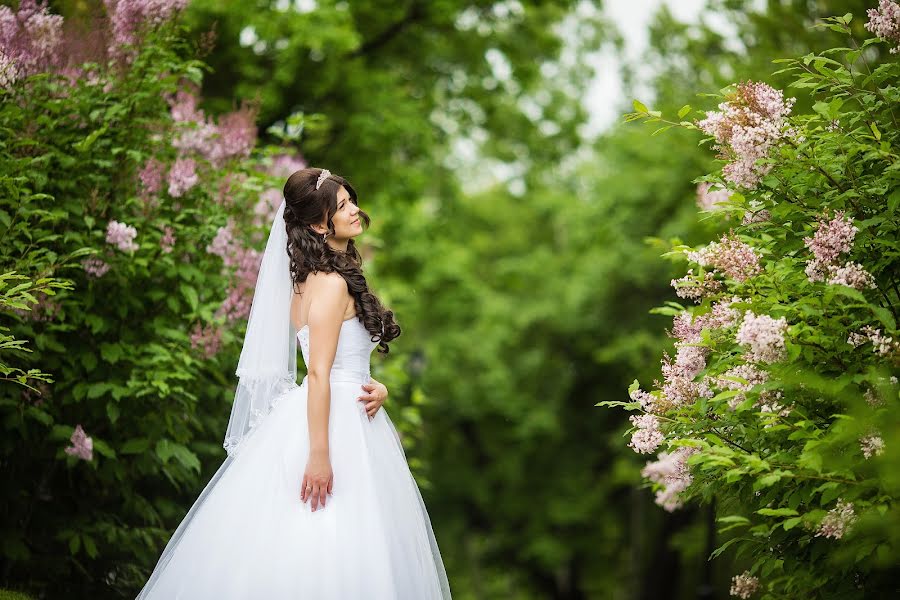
<point x="347" y="223"/>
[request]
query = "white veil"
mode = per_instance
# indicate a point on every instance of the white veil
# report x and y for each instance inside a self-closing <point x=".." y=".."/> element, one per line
<point x="268" y="364"/>
<point x="267" y="368"/>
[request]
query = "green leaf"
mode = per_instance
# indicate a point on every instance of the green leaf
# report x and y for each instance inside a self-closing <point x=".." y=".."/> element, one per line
<point x="112" y="411"/>
<point x="639" y="106"/>
<point x="684" y="110"/>
<point x="777" y="512"/>
<point x="85" y="144"/>
<point x="875" y="131"/>
<point x="135" y="446"/>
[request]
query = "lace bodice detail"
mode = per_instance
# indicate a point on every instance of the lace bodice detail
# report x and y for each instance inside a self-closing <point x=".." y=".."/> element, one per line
<point x="354" y="347"/>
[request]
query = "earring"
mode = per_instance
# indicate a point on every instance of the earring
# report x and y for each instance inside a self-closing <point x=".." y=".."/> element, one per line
<point x="324" y="235"/>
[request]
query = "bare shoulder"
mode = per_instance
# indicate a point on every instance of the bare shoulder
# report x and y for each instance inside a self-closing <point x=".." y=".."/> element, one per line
<point x="327" y="284"/>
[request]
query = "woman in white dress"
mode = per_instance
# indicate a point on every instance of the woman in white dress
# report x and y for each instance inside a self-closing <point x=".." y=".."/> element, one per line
<point x="315" y="498"/>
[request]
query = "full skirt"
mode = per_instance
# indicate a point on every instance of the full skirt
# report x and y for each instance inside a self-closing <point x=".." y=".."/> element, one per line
<point x="248" y="534"/>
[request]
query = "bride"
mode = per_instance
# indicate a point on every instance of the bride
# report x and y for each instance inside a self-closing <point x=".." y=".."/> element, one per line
<point x="315" y="498"/>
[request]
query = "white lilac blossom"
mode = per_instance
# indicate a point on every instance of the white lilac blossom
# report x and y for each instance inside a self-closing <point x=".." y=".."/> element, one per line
<point x="647" y="437"/>
<point x="744" y="585"/>
<point x="884" y="22"/>
<point x="748" y="124"/>
<point x="871" y="445"/>
<point x="671" y="471"/>
<point x="882" y="345"/>
<point x="838" y="521"/>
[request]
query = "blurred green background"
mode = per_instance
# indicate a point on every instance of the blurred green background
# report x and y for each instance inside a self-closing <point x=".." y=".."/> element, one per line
<point x="511" y="240"/>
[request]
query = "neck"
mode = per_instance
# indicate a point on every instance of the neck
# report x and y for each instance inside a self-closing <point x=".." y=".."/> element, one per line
<point x="338" y="244"/>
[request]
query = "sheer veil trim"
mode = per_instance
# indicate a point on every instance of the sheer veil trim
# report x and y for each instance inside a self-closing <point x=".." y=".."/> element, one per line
<point x="267" y="368"/>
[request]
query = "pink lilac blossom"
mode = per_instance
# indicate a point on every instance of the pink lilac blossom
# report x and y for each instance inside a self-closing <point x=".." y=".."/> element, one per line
<point x="751" y="217"/>
<point x="744" y="585"/>
<point x="167" y="242"/>
<point x="645" y="399"/>
<point x="708" y="196"/>
<point x="224" y="244"/>
<point x="856" y="339"/>
<point x="838" y="521"/>
<point x="729" y="255"/>
<point x="95" y="267"/>
<point x="182" y="177"/>
<point x="691" y="360"/>
<point x="236" y="136"/>
<point x="265" y="208"/>
<point x="30" y="39"/>
<point x="647" y="437"/>
<point x="748" y="124"/>
<point x="129" y="17"/>
<point x="764" y="336"/>
<point x="45" y="309"/>
<point x="82" y="445"/>
<point x="284" y="165"/>
<point x="687" y="327"/>
<point x="240" y="293"/>
<point x="233" y="137"/>
<point x="245" y="262"/>
<point x="751" y="373"/>
<point x="208" y="339"/>
<point x="884" y="22"/>
<point x="121" y="236"/>
<point x="852" y="275"/>
<point x="871" y="445"/>
<point x="689" y="287"/>
<point x="671" y="471"/>
<point x="152" y="175"/>
<point x="830" y="240"/>
<point x="9" y="73"/>
<point x="678" y="389"/>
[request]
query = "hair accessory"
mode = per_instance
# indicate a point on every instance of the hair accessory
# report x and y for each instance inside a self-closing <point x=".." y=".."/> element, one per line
<point x="322" y="177"/>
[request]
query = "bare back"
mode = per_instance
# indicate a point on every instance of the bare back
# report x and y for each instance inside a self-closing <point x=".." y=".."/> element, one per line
<point x="300" y="303"/>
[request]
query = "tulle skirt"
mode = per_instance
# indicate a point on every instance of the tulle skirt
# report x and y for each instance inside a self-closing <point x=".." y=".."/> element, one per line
<point x="248" y="535"/>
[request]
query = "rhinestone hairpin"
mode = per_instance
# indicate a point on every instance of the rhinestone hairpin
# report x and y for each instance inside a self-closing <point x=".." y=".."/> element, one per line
<point x="322" y="177"/>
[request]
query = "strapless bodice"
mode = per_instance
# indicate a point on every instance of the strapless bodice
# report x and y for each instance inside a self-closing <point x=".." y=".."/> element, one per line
<point x="353" y="353"/>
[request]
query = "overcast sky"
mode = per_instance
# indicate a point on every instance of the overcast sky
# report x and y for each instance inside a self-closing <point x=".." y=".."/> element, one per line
<point x="604" y="95"/>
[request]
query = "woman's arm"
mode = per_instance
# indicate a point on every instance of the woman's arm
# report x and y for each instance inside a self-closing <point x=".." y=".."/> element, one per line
<point x="326" y="311"/>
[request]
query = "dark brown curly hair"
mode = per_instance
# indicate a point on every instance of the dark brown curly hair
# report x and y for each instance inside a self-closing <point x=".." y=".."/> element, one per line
<point x="305" y="206"/>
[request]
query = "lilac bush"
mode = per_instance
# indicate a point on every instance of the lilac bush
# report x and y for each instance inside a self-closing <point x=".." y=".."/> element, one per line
<point x="782" y="401"/>
<point x="131" y="221"/>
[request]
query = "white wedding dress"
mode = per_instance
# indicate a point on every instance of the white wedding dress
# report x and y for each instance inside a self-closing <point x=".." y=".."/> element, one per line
<point x="249" y="536"/>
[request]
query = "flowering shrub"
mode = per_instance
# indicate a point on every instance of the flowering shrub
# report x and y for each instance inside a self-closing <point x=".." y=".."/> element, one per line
<point x="132" y="217"/>
<point x="782" y="400"/>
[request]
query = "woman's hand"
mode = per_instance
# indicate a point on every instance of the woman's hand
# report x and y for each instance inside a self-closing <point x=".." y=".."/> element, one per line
<point x="375" y="397"/>
<point x="317" y="480"/>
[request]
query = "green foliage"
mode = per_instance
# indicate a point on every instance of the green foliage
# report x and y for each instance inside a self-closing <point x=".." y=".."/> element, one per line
<point x="780" y="456"/>
<point x="116" y="352"/>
